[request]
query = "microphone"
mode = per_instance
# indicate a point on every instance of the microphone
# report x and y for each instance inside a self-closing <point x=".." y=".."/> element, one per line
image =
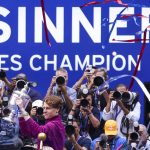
<point x="41" y="137"/>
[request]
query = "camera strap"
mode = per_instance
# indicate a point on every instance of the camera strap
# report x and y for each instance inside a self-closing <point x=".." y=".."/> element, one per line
<point x="117" y="111"/>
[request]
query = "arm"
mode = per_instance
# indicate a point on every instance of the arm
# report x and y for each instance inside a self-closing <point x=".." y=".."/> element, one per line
<point x="95" y="122"/>
<point x="135" y="114"/>
<point x="78" y="84"/>
<point x="125" y="110"/>
<point x="109" y="114"/>
<point x="69" y="96"/>
<point x="76" y="146"/>
<point x="50" y="89"/>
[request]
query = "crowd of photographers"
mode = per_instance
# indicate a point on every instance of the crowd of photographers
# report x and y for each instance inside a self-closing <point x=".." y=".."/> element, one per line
<point x="87" y="116"/>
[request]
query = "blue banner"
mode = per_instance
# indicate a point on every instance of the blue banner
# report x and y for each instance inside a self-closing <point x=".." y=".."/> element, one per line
<point x="74" y="34"/>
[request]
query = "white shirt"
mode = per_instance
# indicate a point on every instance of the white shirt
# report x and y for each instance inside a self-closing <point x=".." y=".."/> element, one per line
<point x="116" y="113"/>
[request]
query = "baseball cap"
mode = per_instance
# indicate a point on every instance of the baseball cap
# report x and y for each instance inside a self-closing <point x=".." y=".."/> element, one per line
<point x="20" y="76"/>
<point x="111" y="127"/>
<point x="37" y="103"/>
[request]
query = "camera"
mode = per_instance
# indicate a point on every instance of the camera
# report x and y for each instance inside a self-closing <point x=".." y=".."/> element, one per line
<point x="117" y="95"/>
<point x="84" y="103"/>
<point x="98" y="80"/>
<point x="6" y="111"/>
<point x="20" y="84"/>
<point x="70" y="130"/>
<point x="134" y="136"/>
<point x="126" y="97"/>
<point x="83" y="92"/>
<point x="60" y="80"/>
<point x="90" y="69"/>
<point x="39" y="110"/>
<point x="103" y="142"/>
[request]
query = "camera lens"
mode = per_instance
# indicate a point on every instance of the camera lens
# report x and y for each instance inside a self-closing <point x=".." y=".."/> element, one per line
<point x="134" y="136"/>
<point x="84" y="103"/>
<point x="6" y="111"/>
<point x="60" y="80"/>
<point x="126" y="97"/>
<point x="70" y="130"/>
<point x="39" y="111"/>
<point x="117" y="95"/>
<point x="20" y="84"/>
<point x="98" y="81"/>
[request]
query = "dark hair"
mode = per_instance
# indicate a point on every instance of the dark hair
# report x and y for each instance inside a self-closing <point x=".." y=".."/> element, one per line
<point x="53" y="101"/>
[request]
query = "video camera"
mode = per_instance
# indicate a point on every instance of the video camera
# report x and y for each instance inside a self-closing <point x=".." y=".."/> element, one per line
<point x="126" y="97"/>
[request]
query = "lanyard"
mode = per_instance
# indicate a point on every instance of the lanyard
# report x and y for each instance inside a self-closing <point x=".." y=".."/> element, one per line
<point x="117" y="112"/>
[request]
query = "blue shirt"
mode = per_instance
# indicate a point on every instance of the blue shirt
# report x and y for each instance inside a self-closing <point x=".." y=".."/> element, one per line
<point x="118" y="142"/>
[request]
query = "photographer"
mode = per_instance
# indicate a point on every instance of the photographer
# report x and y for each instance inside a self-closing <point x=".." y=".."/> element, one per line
<point x="140" y="138"/>
<point x="87" y="75"/>
<point x="88" y="115"/>
<point x="37" y="112"/>
<point x="53" y="128"/>
<point x="110" y="140"/>
<point x="58" y="86"/>
<point x="34" y="95"/>
<point x="125" y="110"/>
<point x="75" y="141"/>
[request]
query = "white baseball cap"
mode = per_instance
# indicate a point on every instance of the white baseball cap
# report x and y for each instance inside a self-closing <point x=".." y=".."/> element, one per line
<point x="37" y="103"/>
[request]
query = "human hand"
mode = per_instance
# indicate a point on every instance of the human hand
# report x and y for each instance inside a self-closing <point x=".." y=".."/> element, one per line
<point x="63" y="89"/>
<point x="53" y="81"/>
<point x="19" y="103"/>
<point x="33" y="111"/>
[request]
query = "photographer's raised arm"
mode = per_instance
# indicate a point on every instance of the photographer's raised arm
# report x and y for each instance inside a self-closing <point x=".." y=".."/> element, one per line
<point x="78" y="84"/>
<point x="67" y="98"/>
<point x="75" y="144"/>
<point x="50" y="89"/>
<point x="4" y="78"/>
<point x="95" y="122"/>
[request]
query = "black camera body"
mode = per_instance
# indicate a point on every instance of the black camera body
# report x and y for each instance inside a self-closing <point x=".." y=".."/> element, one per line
<point x="39" y="110"/>
<point x="70" y="130"/>
<point x="84" y="103"/>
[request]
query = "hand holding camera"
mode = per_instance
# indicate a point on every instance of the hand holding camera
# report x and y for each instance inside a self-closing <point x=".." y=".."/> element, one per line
<point x="53" y="81"/>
